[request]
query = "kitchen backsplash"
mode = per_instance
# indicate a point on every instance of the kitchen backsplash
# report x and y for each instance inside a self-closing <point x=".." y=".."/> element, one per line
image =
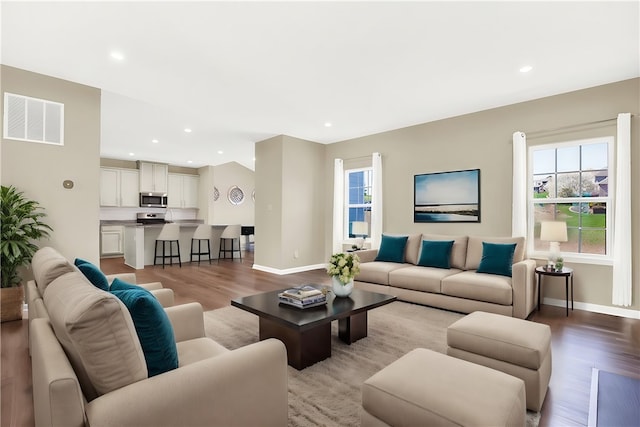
<point x="123" y="214"/>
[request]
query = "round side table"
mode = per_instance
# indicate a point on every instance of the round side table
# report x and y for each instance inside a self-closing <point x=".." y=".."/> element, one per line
<point x="566" y="272"/>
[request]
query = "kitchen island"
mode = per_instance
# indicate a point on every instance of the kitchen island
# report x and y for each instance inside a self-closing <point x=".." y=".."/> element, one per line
<point x="140" y="240"/>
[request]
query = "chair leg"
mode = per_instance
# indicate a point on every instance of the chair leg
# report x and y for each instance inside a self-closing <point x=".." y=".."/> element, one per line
<point x="209" y="250"/>
<point x="155" y="252"/>
<point x="240" y="249"/>
<point x="179" y="259"/>
<point x="163" y="253"/>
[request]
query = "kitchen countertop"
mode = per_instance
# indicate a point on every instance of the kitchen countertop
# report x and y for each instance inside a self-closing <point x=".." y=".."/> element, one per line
<point x="133" y="223"/>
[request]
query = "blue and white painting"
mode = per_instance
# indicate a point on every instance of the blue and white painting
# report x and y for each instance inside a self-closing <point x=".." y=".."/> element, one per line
<point x="447" y="196"/>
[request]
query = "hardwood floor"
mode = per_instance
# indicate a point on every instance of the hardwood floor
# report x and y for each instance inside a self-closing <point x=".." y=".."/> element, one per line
<point x="580" y="342"/>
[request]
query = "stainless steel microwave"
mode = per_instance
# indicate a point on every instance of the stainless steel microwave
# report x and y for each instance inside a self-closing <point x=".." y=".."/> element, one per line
<point x="153" y="200"/>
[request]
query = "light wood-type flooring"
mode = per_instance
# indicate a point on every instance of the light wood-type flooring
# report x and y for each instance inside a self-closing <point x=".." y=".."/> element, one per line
<point x="581" y="341"/>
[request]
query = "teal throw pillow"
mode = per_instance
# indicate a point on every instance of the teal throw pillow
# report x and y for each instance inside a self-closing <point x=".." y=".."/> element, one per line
<point x="392" y="248"/>
<point x="120" y="285"/>
<point x="92" y="273"/>
<point x="435" y="253"/>
<point x="153" y="328"/>
<point x="497" y="258"/>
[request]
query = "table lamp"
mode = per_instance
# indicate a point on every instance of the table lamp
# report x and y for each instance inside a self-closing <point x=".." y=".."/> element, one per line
<point x="553" y="232"/>
<point x="360" y="229"/>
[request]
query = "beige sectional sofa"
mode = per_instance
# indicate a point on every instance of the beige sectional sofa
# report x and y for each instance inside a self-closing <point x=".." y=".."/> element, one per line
<point x="88" y="365"/>
<point x="458" y="288"/>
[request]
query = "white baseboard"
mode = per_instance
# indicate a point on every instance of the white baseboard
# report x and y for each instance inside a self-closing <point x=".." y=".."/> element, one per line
<point x="595" y="308"/>
<point x="288" y="270"/>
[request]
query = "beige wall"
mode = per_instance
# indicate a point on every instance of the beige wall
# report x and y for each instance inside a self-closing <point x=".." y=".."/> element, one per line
<point x="224" y="177"/>
<point x="290" y="185"/>
<point x="40" y="169"/>
<point x="484" y="140"/>
<point x="269" y="208"/>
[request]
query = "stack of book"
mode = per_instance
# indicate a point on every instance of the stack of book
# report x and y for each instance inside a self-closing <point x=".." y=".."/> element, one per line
<point x="303" y="296"/>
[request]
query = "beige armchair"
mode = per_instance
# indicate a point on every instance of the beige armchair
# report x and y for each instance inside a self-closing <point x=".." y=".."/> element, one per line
<point x="212" y="386"/>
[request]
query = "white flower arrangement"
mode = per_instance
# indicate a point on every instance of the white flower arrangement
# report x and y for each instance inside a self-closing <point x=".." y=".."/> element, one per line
<point x="344" y="266"/>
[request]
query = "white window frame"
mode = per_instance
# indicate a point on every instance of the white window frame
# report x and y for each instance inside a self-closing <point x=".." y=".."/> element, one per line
<point x="575" y="257"/>
<point x="347" y="205"/>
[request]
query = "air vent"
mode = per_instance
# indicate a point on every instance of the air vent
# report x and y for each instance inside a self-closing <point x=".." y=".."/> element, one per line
<point x="33" y="119"/>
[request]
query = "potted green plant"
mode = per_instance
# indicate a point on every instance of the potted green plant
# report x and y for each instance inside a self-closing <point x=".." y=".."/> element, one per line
<point x="22" y="225"/>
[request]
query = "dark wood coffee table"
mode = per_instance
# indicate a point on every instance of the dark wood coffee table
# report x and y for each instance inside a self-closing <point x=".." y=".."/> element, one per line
<point x="307" y="332"/>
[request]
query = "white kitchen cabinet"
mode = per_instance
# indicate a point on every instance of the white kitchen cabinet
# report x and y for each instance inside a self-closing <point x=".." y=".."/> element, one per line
<point x="119" y="187"/>
<point x="153" y="177"/>
<point x="183" y="191"/>
<point x="112" y="240"/>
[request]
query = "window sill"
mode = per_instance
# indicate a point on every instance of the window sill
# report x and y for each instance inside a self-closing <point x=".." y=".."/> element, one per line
<point x="578" y="259"/>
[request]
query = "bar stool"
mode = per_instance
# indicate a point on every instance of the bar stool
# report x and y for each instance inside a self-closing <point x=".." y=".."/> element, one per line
<point x="203" y="232"/>
<point x="231" y="232"/>
<point x="170" y="233"/>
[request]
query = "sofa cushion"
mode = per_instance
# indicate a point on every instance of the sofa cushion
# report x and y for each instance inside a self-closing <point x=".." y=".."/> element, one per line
<point x="458" y="250"/>
<point x="392" y="248"/>
<point x="152" y="326"/>
<point x="474" y="249"/>
<point x="377" y="271"/>
<point x="479" y="286"/>
<point x="47" y="265"/>
<point x="92" y="273"/>
<point x="425" y="279"/>
<point x="435" y="253"/>
<point x="97" y="333"/>
<point x="497" y="258"/>
<point x="197" y="349"/>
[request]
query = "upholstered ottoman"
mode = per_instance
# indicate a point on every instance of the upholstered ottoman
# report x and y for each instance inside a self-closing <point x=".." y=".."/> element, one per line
<point x="425" y="388"/>
<point x="514" y="346"/>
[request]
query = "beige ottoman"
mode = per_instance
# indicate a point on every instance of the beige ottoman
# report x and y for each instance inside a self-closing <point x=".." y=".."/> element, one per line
<point x="425" y="388"/>
<point x="514" y="346"/>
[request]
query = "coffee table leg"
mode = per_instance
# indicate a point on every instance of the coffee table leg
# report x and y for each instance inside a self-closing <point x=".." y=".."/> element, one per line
<point x="303" y="348"/>
<point x="352" y="328"/>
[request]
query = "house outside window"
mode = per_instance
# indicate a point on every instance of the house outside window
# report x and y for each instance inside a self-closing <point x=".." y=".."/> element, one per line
<point x="358" y="200"/>
<point x="570" y="182"/>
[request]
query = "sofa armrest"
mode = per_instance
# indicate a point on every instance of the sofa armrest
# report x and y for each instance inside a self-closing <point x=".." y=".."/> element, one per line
<point x="57" y="398"/>
<point x="126" y="277"/>
<point x="164" y="296"/>
<point x="367" y="255"/>
<point x="151" y="286"/>
<point x="243" y="387"/>
<point x="524" y="286"/>
<point x="187" y="321"/>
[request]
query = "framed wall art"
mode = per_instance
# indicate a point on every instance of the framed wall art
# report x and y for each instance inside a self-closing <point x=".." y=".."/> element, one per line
<point x="447" y="196"/>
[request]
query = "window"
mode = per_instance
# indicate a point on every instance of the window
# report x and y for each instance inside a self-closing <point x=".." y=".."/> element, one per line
<point x="570" y="182"/>
<point x="358" y="201"/>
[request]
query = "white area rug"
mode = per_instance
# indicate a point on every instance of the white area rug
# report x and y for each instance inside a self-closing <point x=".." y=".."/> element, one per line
<point x="328" y="393"/>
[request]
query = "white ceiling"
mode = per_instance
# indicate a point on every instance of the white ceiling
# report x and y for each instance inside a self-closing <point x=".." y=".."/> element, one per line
<point x="239" y="72"/>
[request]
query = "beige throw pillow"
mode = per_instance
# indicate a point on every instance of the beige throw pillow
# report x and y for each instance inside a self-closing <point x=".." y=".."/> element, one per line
<point x="97" y="333"/>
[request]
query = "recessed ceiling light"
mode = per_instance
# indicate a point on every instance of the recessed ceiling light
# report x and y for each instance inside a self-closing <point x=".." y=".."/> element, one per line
<point x="526" y="69"/>
<point x="189" y="161"/>
<point x="328" y="124"/>
<point x="118" y="56"/>
<point x="155" y="141"/>
<point x="187" y="130"/>
<point x="220" y="152"/>
<point x="132" y="154"/>
<point x="254" y="159"/>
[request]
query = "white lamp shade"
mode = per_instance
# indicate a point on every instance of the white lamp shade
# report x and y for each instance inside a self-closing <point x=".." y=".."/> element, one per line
<point x="360" y="228"/>
<point x="553" y="231"/>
